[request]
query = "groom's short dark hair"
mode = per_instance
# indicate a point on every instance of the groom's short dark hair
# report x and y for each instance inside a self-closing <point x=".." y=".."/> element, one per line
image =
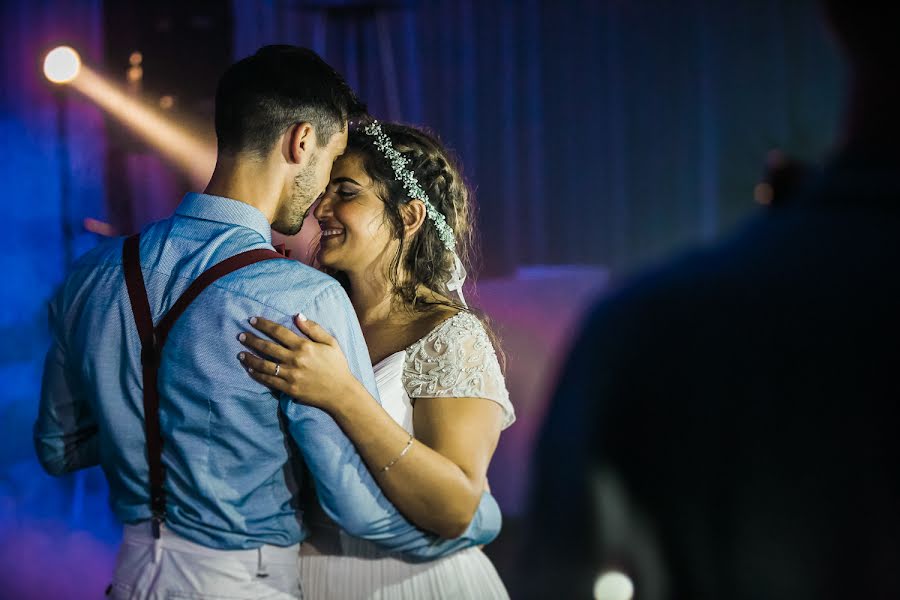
<point x="261" y="96"/>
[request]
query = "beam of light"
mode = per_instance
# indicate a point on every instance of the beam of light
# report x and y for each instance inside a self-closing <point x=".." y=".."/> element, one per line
<point x="189" y="151"/>
<point x="62" y="64"/>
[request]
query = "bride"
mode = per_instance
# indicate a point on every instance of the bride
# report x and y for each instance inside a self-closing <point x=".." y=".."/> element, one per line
<point x="395" y="223"/>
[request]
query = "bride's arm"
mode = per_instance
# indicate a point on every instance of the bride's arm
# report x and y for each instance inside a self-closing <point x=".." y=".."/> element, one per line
<point x="438" y="482"/>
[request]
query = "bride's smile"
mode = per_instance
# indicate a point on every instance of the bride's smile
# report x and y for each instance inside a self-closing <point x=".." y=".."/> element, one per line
<point x="352" y="219"/>
<point x="328" y="233"/>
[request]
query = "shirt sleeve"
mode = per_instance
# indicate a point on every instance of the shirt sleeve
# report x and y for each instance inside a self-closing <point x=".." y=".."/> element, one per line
<point x="346" y="489"/>
<point x="65" y="433"/>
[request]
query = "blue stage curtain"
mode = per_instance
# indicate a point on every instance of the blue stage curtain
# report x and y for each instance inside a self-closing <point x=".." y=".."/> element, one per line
<point x="594" y="131"/>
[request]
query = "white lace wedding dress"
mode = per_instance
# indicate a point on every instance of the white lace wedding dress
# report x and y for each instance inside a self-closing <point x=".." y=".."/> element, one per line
<point x="455" y="360"/>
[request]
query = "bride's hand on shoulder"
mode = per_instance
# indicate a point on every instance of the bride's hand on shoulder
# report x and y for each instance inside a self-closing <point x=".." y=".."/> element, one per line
<point x="311" y="369"/>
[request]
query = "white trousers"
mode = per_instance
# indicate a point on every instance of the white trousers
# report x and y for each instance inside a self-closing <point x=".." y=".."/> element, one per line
<point x="172" y="567"/>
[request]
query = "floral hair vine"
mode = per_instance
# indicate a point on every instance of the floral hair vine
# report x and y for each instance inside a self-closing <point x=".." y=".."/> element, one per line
<point x="415" y="192"/>
<point x="410" y="183"/>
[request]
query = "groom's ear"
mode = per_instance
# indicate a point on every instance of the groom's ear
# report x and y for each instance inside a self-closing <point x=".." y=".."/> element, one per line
<point x="299" y="142"/>
<point x="413" y="214"/>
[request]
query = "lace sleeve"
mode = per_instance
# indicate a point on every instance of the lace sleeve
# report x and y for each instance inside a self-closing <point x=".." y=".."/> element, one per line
<point x="457" y="360"/>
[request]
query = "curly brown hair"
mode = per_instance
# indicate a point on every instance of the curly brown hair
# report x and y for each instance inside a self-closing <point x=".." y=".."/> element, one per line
<point x="422" y="260"/>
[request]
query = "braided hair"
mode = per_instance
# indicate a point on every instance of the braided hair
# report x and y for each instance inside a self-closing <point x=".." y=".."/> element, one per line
<point x="423" y="258"/>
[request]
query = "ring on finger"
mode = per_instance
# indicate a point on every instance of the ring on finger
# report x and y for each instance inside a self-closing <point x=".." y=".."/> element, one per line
<point x="277" y="369"/>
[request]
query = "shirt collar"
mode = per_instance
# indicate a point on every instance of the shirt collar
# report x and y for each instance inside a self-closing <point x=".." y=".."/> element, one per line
<point x="225" y="210"/>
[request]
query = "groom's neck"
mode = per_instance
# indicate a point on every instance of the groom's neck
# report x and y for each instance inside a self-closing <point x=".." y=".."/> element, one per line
<point x="249" y="181"/>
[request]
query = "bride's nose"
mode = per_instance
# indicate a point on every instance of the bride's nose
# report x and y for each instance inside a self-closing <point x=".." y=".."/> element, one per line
<point x="323" y="208"/>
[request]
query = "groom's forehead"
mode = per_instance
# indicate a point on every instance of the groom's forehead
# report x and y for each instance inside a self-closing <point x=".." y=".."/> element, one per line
<point x="341" y="141"/>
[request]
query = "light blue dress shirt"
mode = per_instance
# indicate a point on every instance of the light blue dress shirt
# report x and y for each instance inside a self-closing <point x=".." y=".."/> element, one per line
<point x="233" y="474"/>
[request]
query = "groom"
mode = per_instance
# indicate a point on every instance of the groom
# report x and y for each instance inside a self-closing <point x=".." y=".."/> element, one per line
<point x="142" y="379"/>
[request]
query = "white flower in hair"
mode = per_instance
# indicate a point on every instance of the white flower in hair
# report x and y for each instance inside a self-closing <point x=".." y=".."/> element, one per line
<point x="415" y="192"/>
<point x="410" y="183"/>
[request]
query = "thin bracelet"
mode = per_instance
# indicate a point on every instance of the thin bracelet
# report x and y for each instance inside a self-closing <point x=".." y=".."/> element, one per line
<point x="399" y="456"/>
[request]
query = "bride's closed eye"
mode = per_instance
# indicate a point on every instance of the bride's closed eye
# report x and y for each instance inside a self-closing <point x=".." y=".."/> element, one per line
<point x="343" y="189"/>
<point x="346" y="188"/>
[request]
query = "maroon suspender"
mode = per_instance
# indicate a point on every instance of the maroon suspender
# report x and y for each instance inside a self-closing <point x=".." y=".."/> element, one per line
<point x="140" y="306"/>
<point x="152" y="341"/>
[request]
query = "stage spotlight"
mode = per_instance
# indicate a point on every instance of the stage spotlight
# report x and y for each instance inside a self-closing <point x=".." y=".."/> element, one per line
<point x="62" y="65"/>
<point x="613" y="585"/>
<point x="195" y="154"/>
